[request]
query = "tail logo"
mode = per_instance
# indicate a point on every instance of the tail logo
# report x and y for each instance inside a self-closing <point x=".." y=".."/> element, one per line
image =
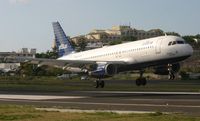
<point x="63" y="46"/>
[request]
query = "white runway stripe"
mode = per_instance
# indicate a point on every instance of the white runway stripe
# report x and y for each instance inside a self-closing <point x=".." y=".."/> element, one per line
<point x="95" y="111"/>
<point x="36" y="97"/>
<point x="129" y="92"/>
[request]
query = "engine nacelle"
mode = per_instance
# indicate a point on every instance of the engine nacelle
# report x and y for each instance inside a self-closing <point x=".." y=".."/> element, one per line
<point x="163" y="70"/>
<point x="104" y="70"/>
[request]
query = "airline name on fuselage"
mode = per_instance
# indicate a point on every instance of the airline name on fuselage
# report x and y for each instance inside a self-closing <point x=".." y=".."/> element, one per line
<point x="149" y="42"/>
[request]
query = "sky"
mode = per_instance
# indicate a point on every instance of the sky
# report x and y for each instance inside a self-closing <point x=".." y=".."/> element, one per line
<point x="28" y="23"/>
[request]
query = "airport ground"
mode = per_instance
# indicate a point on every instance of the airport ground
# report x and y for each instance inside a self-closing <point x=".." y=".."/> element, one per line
<point x="159" y="99"/>
<point x="119" y="83"/>
<point x="29" y="113"/>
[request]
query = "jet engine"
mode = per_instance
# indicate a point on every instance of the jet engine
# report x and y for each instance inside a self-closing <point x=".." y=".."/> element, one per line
<point x="105" y="70"/>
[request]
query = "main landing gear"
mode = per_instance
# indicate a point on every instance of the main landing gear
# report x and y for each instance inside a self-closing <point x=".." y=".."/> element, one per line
<point x="141" y="80"/>
<point x="99" y="83"/>
<point x="171" y="72"/>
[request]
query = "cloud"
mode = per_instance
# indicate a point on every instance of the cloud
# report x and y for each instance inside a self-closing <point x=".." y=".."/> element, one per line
<point x="19" y="1"/>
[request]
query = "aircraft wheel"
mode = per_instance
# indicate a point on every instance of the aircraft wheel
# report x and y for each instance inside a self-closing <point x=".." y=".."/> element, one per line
<point x="173" y="77"/>
<point x="102" y="84"/>
<point x="138" y="82"/>
<point x="97" y="84"/>
<point x="143" y="81"/>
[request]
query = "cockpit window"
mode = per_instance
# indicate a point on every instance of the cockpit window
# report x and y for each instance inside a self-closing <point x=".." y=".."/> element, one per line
<point x="170" y="43"/>
<point x="180" y="42"/>
<point x="174" y="42"/>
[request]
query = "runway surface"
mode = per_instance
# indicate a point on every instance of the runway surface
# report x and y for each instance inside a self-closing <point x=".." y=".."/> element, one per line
<point x="175" y="102"/>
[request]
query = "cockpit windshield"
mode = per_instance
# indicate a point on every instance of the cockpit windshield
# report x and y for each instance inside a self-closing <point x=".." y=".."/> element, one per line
<point x="180" y="42"/>
<point x="176" y="42"/>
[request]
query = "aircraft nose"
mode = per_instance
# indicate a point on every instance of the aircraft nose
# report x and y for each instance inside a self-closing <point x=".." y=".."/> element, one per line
<point x="190" y="50"/>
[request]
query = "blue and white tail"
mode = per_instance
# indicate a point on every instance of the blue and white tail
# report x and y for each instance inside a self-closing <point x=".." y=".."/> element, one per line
<point x="63" y="44"/>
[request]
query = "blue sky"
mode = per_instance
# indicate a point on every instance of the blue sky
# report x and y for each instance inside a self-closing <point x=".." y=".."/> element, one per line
<point x="27" y="23"/>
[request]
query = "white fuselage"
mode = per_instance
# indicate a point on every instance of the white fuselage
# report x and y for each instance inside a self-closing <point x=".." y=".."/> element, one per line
<point x="146" y="50"/>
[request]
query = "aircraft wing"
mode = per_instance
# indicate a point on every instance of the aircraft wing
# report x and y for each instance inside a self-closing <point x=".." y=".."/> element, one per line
<point x="57" y="62"/>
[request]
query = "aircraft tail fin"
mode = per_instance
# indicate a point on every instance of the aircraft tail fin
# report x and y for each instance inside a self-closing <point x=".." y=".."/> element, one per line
<point x="63" y="44"/>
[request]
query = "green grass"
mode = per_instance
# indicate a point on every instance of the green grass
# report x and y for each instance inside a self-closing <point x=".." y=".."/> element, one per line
<point x="52" y="84"/>
<point x="29" y="113"/>
<point x="13" y="113"/>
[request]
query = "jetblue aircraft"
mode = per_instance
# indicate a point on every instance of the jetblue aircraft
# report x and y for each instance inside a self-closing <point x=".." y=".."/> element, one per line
<point x="163" y="53"/>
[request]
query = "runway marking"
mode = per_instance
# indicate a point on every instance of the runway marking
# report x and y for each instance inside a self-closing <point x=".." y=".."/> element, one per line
<point x="95" y="111"/>
<point x="106" y="104"/>
<point x="169" y="100"/>
<point x="37" y="97"/>
<point x="130" y="92"/>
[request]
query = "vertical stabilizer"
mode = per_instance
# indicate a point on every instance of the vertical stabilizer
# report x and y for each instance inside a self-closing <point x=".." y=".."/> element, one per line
<point x="63" y="44"/>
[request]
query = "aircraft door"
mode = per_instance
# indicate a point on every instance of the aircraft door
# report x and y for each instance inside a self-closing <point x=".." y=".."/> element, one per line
<point x="158" y="46"/>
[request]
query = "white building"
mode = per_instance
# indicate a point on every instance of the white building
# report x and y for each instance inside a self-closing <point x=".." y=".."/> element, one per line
<point x="24" y="52"/>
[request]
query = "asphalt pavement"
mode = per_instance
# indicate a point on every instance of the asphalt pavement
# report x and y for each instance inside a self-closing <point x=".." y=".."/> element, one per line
<point x="167" y="102"/>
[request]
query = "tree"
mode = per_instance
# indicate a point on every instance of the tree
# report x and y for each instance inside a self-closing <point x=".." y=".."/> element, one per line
<point x="191" y="40"/>
<point x="128" y="38"/>
<point x="115" y="42"/>
<point x="82" y="44"/>
<point x="173" y="33"/>
<point x="73" y="44"/>
<point x="28" y="69"/>
<point x="48" y="54"/>
<point x="52" y="54"/>
<point x="33" y="70"/>
<point x="198" y="36"/>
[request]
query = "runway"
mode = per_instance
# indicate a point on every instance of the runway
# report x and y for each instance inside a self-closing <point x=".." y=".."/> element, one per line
<point x="170" y="102"/>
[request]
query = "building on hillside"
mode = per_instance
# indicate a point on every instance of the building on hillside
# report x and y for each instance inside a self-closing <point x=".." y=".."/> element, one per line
<point x="25" y="52"/>
<point x="117" y="32"/>
<point x="78" y="38"/>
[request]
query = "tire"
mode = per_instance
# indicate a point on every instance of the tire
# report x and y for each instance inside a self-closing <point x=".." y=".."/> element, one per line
<point x="102" y="84"/>
<point x="97" y="83"/>
<point x="143" y="81"/>
<point x="138" y="82"/>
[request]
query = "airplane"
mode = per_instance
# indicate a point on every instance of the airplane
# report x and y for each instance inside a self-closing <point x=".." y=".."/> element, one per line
<point x="162" y="53"/>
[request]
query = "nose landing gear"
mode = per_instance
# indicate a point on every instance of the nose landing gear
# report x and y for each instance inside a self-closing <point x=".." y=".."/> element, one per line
<point x="171" y="75"/>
